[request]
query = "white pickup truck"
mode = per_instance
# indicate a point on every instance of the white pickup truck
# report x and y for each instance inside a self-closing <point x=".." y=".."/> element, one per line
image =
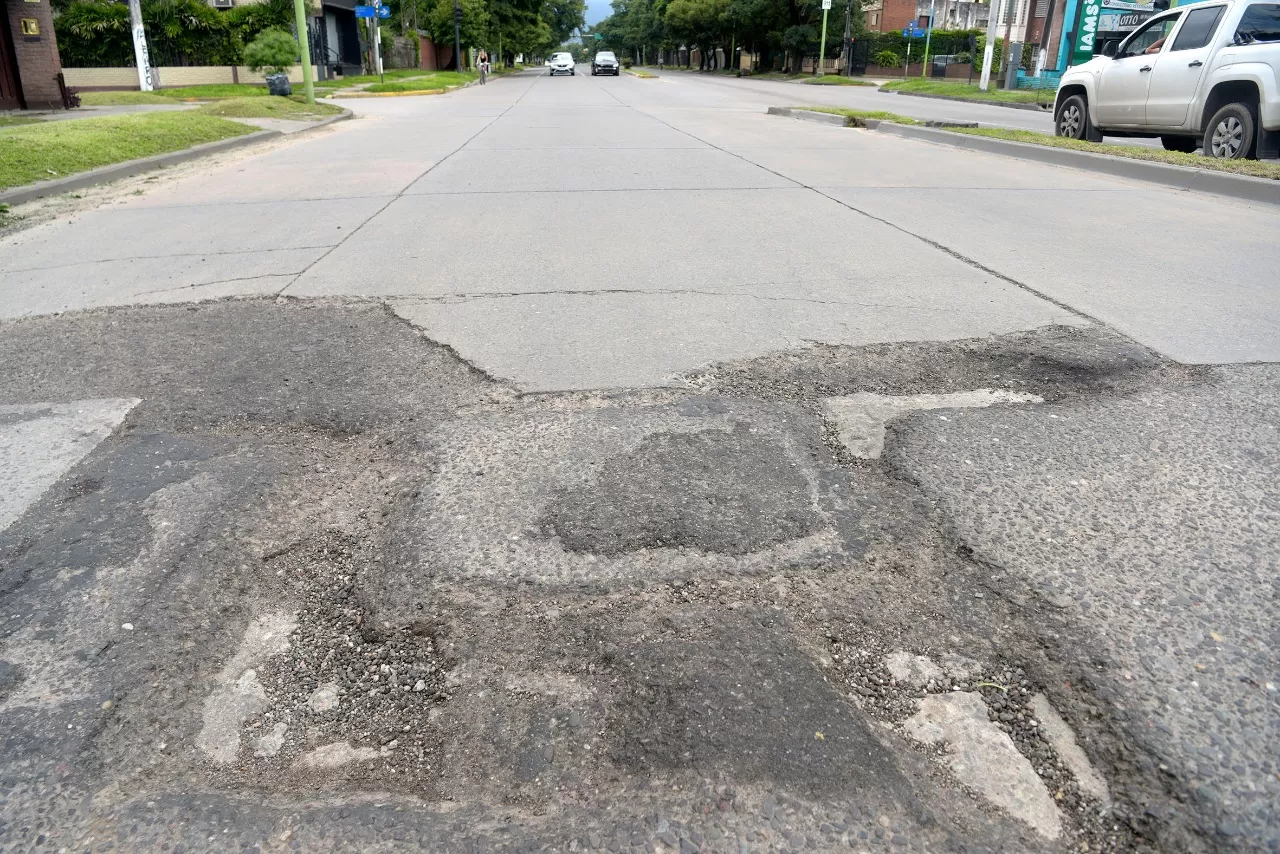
<point x="1204" y="75"/>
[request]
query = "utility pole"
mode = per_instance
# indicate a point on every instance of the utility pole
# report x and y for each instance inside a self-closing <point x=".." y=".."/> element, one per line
<point x="822" y="45"/>
<point x="848" y="38"/>
<point x="1008" y="37"/>
<point x="304" y="47"/>
<point x="457" y="35"/>
<point x="924" y="69"/>
<point x="989" y="52"/>
<point x="140" y="55"/>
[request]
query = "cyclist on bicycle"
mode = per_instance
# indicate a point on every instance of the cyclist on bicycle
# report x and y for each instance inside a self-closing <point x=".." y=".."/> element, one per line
<point x="482" y="63"/>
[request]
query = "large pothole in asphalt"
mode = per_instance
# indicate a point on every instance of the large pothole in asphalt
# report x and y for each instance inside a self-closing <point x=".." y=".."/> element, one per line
<point x="730" y="492"/>
<point x="631" y="491"/>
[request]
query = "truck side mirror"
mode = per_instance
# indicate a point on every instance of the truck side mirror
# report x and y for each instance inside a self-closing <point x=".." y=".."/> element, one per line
<point x="1109" y="48"/>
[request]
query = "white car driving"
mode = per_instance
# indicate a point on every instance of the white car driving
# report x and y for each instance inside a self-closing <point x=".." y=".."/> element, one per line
<point x="562" y="63"/>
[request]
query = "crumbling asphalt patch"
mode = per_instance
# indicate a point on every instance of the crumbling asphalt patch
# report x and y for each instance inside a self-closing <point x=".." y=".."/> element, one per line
<point x="410" y="516"/>
<point x="725" y="491"/>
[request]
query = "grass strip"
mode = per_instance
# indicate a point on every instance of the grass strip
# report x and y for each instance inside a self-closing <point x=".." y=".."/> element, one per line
<point x="294" y="108"/>
<point x="970" y="92"/>
<point x="42" y="152"/>
<point x="836" y="80"/>
<point x="121" y="99"/>
<point x="14" y="121"/>
<point x="856" y="117"/>
<point x="1256" y="168"/>
<point x="438" y="80"/>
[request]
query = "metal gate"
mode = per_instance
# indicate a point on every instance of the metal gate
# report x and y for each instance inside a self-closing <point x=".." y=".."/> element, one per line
<point x="10" y="88"/>
<point x="859" y="52"/>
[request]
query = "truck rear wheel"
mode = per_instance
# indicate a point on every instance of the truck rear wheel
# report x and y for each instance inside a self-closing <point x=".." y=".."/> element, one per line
<point x="1232" y="133"/>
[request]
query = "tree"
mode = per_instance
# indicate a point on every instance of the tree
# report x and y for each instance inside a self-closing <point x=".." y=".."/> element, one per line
<point x="272" y="52"/>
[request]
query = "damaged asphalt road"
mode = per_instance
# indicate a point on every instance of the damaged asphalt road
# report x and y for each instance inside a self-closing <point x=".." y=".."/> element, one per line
<point x="320" y="585"/>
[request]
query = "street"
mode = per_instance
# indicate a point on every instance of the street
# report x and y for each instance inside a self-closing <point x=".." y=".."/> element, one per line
<point x="603" y="464"/>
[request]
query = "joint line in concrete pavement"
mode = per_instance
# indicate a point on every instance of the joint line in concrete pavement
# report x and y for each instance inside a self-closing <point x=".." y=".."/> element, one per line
<point x="169" y="255"/>
<point x="464" y="297"/>
<point x="400" y="194"/>
<point x="964" y="259"/>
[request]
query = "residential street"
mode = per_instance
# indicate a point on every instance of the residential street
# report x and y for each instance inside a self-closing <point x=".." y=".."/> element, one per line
<point x="580" y="464"/>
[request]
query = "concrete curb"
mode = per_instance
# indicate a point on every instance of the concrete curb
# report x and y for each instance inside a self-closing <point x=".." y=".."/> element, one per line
<point x="851" y="122"/>
<point x="129" y="168"/>
<point x="1033" y="107"/>
<point x="1244" y="187"/>
<point x="810" y="116"/>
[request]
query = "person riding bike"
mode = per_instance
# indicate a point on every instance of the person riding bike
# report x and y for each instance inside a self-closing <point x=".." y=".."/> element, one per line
<point x="482" y="64"/>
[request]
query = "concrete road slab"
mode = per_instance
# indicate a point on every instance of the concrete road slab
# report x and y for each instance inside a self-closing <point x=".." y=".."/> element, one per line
<point x="874" y="160"/>
<point x="1190" y="279"/>
<point x="547" y="342"/>
<point x="278" y="178"/>
<point x="125" y="231"/>
<point x="542" y="129"/>
<point x="561" y="170"/>
<point x="693" y="241"/>
<point x="172" y="278"/>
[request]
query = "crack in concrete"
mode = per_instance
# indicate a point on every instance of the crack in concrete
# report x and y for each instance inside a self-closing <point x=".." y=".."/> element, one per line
<point x="218" y="282"/>
<point x="167" y="256"/>
<point x="466" y="297"/>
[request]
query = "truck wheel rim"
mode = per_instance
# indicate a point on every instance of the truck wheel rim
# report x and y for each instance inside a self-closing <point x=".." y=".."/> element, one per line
<point x="1069" y="124"/>
<point x="1228" y="137"/>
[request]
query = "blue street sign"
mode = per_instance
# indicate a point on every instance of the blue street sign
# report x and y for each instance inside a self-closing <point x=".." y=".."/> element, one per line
<point x="384" y="11"/>
<point x="910" y="32"/>
<point x="364" y="11"/>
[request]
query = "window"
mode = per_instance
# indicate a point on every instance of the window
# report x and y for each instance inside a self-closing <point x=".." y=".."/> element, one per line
<point x="1149" y="39"/>
<point x="1198" y="28"/>
<point x="1261" y="22"/>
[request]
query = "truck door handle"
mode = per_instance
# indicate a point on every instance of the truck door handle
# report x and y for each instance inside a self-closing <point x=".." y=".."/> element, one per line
<point x="1195" y="64"/>
<point x="1145" y="68"/>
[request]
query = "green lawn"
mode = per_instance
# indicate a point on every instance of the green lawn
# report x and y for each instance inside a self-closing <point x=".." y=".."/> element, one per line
<point x="1257" y="168"/>
<point x="356" y="80"/>
<point x="116" y="99"/>
<point x="836" y="80"/>
<point x="856" y="116"/>
<point x="269" y="108"/>
<point x="434" y="80"/>
<point x="212" y="91"/>
<point x="14" y="121"/>
<point x="925" y="86"/>
<point x="41" y="152"/>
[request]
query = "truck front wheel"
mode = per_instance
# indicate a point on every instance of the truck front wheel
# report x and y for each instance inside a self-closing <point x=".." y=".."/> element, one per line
<point x="1232" y="133"/>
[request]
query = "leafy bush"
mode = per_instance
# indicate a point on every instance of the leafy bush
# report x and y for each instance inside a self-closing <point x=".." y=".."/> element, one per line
<point x="96" y="33"/>
<point x="627" y="63"/>
<point x="272" y="52"/>
<point x="886" y="59"/>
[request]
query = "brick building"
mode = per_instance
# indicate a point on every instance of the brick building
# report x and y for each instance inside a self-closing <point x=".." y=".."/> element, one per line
<point x="29" y="63"/>
<point x="885" y="16"/>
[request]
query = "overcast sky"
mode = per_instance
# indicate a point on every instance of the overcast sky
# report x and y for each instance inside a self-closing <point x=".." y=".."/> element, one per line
<point x="597" y="11"/>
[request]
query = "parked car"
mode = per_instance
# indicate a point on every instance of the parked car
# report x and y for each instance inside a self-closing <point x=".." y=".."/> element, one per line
<point x="1204" y="75"/>
<point x="605" y="63"/>
<point x="562" y="63"/>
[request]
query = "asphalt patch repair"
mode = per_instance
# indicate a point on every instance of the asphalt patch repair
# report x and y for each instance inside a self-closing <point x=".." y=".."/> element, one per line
<point x="497" y="611"/>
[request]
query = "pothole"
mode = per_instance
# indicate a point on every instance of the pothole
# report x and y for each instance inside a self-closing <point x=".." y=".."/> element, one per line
<point x="345" y="696"/>
<point x="723" y="491"/>
<point x="933" y="700"/>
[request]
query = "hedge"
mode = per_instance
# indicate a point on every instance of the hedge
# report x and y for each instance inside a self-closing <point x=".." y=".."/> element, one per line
<point x="96" y="33"/>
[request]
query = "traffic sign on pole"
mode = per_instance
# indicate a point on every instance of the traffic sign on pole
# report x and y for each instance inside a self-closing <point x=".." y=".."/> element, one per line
<point x="364" y="11"/>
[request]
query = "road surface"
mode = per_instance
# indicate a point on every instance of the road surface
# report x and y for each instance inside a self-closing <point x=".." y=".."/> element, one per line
<point x="602" y="464"/>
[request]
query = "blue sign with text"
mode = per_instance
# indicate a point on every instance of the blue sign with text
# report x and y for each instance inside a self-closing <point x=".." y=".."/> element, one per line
<point x="364" y="11"/>
<point x="910" y="32"/>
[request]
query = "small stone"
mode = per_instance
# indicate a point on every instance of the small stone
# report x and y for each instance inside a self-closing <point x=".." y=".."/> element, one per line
<point x="128" y="627"/>
<point x="420" y="685"/>
<point x="324" y="698"/>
